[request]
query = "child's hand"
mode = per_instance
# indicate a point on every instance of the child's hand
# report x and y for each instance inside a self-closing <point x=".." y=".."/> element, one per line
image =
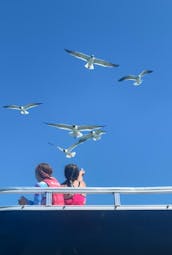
<point x="81" y="174"/>
<point x="22" y="201"/>
<point x="82" y="171"/>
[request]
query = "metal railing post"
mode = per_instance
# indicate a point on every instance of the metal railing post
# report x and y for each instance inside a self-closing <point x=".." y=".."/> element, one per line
<point x="48" y="198"/>
<point x="117" y="201"/>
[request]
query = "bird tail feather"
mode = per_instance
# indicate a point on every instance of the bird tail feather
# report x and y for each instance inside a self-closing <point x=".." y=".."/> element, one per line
<point x="91" y="67"/>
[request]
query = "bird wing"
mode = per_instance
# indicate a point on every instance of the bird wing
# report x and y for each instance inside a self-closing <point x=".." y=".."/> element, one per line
<point x="128" y="77"/>
<point x="15" y="107"/>
<point x="61" y="126"/>
<point x="89" y="127"/>
<point x="71" y="147"/>
<point x="28" y="106"/>
<point x="78" y="55"/>
<point x="102" y="62"/>
<point x="57" y="147"/>
<point x="99" y="132"/>
<point x="145" y="72"/>
<point x="84" y="138"/>
<point x="51" y="144"/>
<point x="60" y="148"/>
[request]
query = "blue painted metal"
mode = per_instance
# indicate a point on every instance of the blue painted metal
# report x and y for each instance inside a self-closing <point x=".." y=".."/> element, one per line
<point x="83" y="232"/>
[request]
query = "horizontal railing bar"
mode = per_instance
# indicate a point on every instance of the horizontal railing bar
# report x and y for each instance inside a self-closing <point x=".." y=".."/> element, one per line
<point x="86" y="207"/>
<point x="89" y="190"/>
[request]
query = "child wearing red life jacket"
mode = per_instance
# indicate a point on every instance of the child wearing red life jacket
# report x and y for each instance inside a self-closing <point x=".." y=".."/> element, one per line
<point x="43" y="174"/>
<point x="74" y="178"/>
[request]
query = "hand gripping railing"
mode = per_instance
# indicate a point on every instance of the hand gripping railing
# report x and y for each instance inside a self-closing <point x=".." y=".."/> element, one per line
<point x="115" y="191"/>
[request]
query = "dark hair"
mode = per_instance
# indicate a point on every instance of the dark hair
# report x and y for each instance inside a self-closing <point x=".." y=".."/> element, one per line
<point x="44" y="170"/>
<point x="71" y="172"/>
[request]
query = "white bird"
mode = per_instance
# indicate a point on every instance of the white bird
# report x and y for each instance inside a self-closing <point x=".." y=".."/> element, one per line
<point x="136" y="78"/>
<point x="91" y="60"/>
<point x="22" y="108"/>
<point x="68" y="151"/>
<point x="75" y="130"/>
<point x="94" y="134"/>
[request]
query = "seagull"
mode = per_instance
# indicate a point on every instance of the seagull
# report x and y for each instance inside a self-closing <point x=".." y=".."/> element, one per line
<point x="75" y="130"/>
<point x="22" y="108"/>
<point x="68" y="151"/>
<point x="94" y="134"/>
<point x="91" y="60"/>
<point x="137" y="78"/>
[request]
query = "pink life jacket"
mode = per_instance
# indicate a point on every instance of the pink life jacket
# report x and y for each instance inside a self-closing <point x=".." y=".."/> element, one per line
<point x="76" y="199"/>
<point x="57" y="198"/>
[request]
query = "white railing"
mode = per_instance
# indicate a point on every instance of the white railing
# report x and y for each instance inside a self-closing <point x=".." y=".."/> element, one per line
<point x="116" y="192"/>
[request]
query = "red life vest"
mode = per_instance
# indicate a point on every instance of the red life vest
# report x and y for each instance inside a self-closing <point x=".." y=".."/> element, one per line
<point x="57" y="198"/>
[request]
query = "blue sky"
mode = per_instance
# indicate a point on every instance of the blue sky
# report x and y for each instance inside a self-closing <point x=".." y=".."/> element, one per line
<point x="137" y="35"/>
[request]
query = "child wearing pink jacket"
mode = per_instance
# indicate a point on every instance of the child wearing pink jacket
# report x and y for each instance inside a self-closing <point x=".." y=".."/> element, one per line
<point x="74" y="178"/>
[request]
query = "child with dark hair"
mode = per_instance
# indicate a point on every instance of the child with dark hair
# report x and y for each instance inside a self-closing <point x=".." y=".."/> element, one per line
<point x="74" y="178"/>
<point x="43" y="174"/>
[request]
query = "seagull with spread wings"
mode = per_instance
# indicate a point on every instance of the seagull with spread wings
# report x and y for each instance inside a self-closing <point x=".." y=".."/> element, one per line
<point x="75" y="130"/>
<point x="91" y="60"/>
<point x="22" y="108"/>
<point x="68" y="151"/>
<point x="136" y="78"/>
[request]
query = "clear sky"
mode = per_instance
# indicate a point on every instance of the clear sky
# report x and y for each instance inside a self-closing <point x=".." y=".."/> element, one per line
<point x="137" y="35"/>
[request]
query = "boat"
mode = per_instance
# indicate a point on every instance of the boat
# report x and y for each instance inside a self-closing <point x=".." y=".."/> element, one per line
<point x="89" y="229"/>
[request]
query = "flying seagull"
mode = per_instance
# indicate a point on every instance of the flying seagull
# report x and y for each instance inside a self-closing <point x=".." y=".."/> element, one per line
<point x="94" y="134"/>
<point x="22" y="108"/>
<point x="136" y="78"/>
<point x="75" y="130"/>
<point x="91" y="60"/>
<point x="68" y="151"/>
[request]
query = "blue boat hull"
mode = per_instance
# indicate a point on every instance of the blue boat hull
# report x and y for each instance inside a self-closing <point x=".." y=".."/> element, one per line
<point x="86" y="232"/>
